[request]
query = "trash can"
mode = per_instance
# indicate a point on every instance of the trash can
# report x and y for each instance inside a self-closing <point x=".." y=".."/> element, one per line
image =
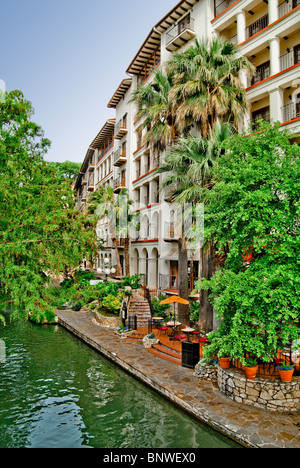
<point x="190" y="354"/>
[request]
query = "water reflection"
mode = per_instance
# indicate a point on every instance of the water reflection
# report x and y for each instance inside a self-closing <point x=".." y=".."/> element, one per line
<point x="57" y="392"/>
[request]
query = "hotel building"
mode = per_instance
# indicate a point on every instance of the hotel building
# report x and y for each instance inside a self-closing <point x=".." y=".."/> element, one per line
<point x="267" y="33"/>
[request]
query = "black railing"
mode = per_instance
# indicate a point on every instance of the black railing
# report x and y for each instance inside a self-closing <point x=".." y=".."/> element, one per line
<point x="263" y="71"/>
<point x="132" y="322"/>
<point x="222" y="5"/>
<point x="257" y="26"/>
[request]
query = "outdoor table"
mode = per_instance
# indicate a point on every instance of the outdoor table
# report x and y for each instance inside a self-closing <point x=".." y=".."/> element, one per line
<point x="172" y="324"/>
<point x="188" y="331"/>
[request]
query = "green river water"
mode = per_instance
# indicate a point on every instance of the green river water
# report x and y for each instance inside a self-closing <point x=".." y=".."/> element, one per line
<point x="57" y="392"/>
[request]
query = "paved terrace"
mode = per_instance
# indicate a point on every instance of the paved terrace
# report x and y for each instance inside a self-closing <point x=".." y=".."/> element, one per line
<point x="249" y="426"/>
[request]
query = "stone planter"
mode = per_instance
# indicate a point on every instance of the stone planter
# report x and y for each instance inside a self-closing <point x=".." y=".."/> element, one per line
<point x="268" y="394"/>
<point x="108" y="322"/>
<point x="149" y="342"/>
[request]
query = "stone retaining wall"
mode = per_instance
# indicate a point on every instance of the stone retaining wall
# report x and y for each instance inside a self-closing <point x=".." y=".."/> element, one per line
<point x="270" y="394"/>
<point x="206" y="373"/>
<point x="108" y="322"/>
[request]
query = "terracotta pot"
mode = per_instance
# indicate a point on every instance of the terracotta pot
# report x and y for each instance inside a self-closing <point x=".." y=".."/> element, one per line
<point x="251" y="372"/>
<point x="224" y="363"/>
<point x="286" y="375"/>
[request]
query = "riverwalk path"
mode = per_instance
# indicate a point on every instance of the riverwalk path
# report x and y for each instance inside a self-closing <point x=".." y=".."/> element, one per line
<point x="249" y="426"/>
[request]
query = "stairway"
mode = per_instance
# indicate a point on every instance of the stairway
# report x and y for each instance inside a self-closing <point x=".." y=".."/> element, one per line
<point x="139" y="306"/>
<point x="163" y="352"/>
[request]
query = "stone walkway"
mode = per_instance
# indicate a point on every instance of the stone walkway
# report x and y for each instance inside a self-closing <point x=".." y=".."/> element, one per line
<point x="249" y="426"/>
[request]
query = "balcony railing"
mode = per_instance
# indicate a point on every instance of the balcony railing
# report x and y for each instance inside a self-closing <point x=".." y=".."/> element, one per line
<point x="120" y="157"/>
<point x="170" y="232"/>
<point x="91" y="183"/>
<point x="222" y="5"/>
<point x="263" y="71"/>
<point x="289" y="60"/>
<point x="119" y="184"/>
<point x="170" y="283"/>
<point x="106" y="149"/>
<point x="291" y="111"/>
<point x="263" y="114"/>
<point x="287" y="6"/>
<point x="121" y="129"/>
<point x="181" y="33"/>
<point x="257" y="26"/>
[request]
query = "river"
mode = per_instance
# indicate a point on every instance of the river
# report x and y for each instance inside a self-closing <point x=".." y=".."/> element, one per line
<point x="56" y="392"/>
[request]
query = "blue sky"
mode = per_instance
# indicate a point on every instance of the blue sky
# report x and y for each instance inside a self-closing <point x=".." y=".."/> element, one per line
<point x="68" y="57"/>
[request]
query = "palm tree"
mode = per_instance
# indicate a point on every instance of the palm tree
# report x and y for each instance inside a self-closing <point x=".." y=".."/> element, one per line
<point x="155" y="109"/>
<point x="207" y="85"/>
<point x="189" y="167"/>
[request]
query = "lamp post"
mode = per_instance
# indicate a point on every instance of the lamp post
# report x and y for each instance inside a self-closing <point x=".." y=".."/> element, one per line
<point x="108" y="269"/>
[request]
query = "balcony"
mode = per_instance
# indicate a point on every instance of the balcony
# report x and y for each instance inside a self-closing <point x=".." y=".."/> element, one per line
<point x="171" y="283"/>
<point x="291" y="112"/>
<point x="222" y="5"/>
<point x="290" y="59"/>
<point x="170" y="234"/>
<point x="91" y="184"/>
<point x="92" y="165"/>
<point x="262" y="114"/>
<point x="257" y="26"/>
<point x="121" y="129"/>
<point x="287" y="6"/>
<point x="119" y="184"/>
<point x="263" y="72"/>
<point x="180" y="34"/>
<point x="120" y="157"/>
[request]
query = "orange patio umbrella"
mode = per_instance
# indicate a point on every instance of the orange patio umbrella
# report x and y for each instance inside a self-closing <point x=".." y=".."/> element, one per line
<point x="175" y="300"/>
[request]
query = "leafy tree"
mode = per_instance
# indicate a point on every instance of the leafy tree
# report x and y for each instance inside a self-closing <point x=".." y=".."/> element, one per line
<point x="66" y="170"/>
<point x="254" y="207"/>
<point x="41" y="233"/>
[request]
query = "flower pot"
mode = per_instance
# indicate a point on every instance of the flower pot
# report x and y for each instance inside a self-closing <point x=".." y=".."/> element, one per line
<point x="251" y="372"/>
<point x="286" y="375"/>
<point x="224" y="363"/>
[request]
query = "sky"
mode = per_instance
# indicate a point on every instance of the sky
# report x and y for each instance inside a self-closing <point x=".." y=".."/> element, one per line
<point x="68" y="57"/>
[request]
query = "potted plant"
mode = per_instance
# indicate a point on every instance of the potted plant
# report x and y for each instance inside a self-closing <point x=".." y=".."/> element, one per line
<point x="224" y="361"/>
<point x="286" y="371"/>
<point x="251" y="368"/>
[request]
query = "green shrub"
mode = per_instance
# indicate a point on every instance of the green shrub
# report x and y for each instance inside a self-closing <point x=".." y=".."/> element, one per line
<point x="159" y="309"/>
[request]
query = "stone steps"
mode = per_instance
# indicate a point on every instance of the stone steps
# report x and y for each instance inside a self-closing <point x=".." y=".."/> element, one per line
<point x="140" y="307"/>
<point x="164" y="356"/>
<point x="169" y="352"/>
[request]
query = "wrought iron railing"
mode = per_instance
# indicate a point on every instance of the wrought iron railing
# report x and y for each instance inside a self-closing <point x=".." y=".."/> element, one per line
<point x="257" y="26"/>
<point x="291" y="111"/>
<point x="222" y="5"/>
<point x="263" y="71"/>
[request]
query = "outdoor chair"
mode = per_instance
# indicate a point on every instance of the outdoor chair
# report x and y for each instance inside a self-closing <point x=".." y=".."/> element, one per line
<point x="177" y="334"/>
